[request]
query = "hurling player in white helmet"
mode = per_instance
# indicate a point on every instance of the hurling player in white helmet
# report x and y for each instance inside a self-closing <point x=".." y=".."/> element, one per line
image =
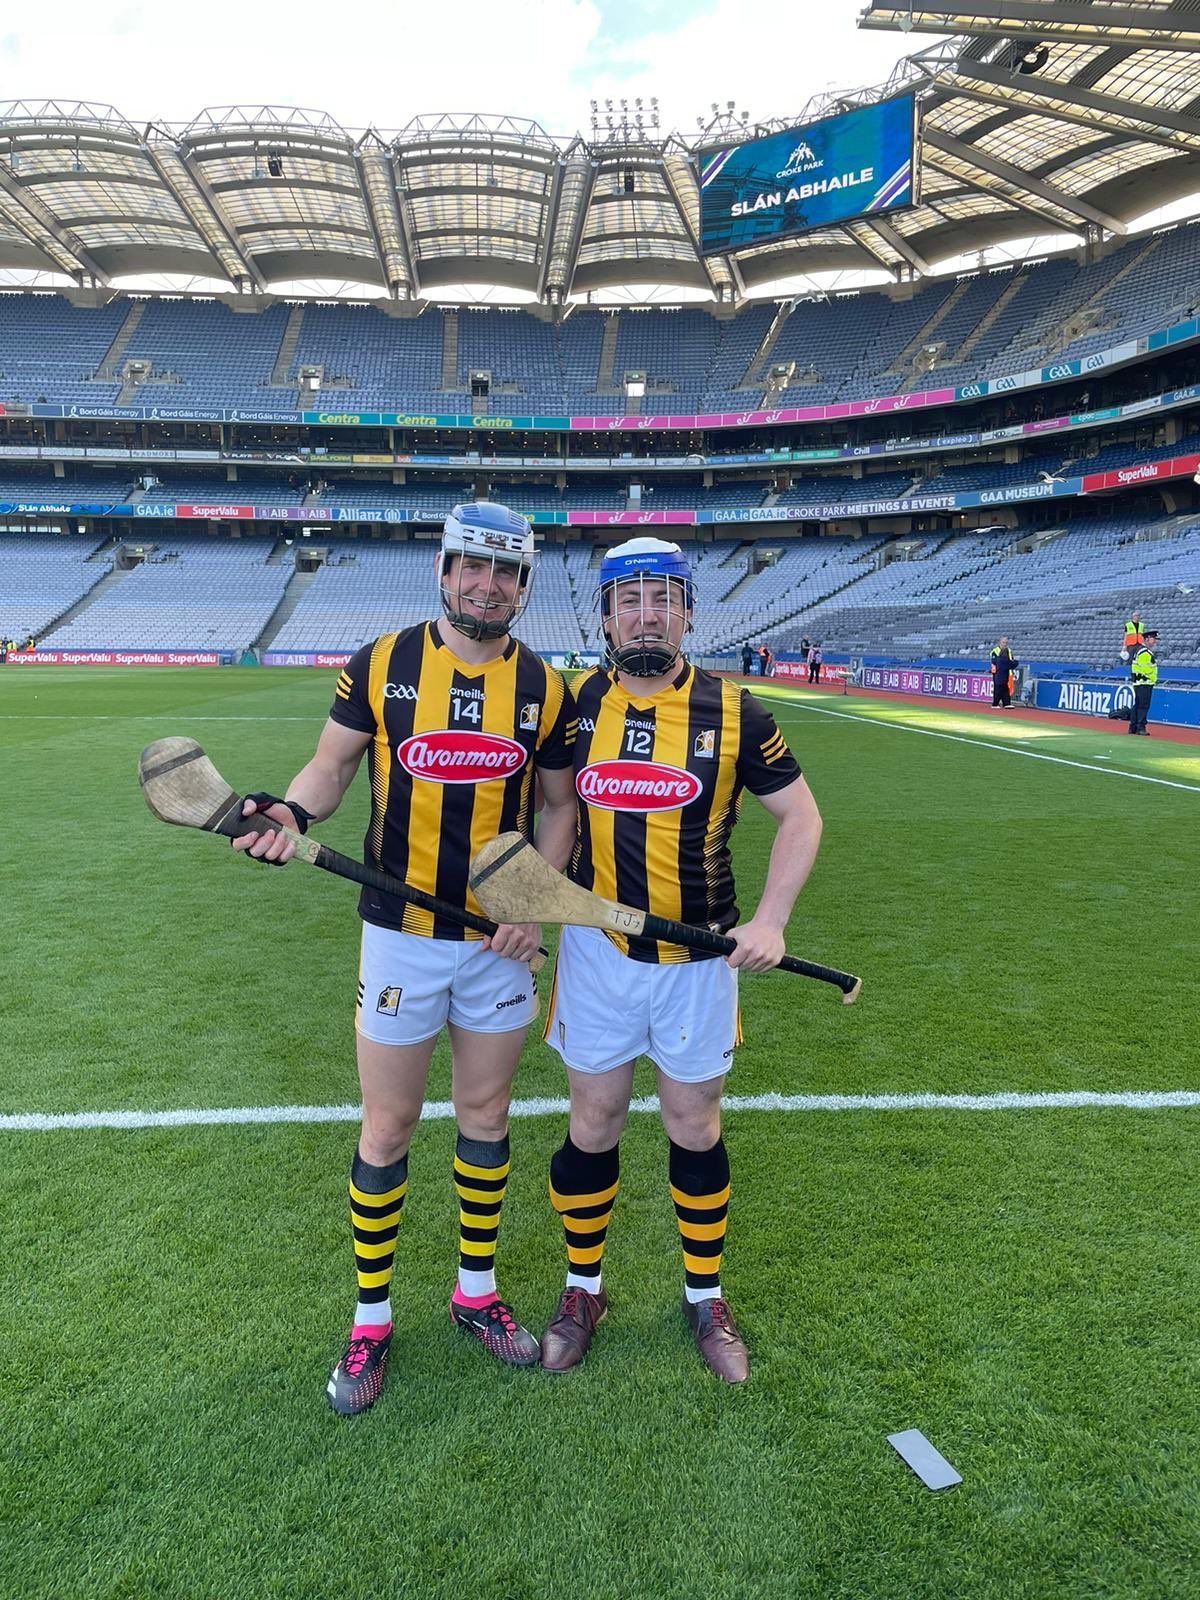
<point x="475" y="537"/>
<point x="457" y="720"/>
<point x="662" y="756"/>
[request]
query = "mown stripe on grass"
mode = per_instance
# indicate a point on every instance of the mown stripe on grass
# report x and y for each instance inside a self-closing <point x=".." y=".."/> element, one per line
<point x="982" y="744"/>
<point x="443" y="1110"/>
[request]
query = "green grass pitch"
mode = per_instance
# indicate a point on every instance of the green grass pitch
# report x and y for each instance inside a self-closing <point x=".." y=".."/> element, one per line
<point x="1023" y="1285"/>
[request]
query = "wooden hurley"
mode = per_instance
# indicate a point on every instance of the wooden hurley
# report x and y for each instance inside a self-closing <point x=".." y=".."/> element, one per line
<point x="181" y="786"/>
<point x="514" y="884"/>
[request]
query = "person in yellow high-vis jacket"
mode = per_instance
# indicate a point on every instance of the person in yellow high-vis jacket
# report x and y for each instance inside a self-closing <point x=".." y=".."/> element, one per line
<point x="1144" y="669"/>
<point x="1002" y="665"/>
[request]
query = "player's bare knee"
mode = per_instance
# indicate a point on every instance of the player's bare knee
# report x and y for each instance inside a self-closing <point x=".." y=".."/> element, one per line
<point x="385" y="1137"/>
<point x="480" y="1118"/>
<point x="694" y="1131"/>
<point x="691" y="1113"/>
<point x="597" y="1124"/>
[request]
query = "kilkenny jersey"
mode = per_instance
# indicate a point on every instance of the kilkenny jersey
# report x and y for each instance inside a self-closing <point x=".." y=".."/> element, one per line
<point x="660" y="784"/>
<point x="451" y="761"/>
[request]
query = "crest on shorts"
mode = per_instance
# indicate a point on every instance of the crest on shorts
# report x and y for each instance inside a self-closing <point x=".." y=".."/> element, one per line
<point x="530" y="714"/>
<point x="388" y="1003"/>
<point x="706" y="743"/>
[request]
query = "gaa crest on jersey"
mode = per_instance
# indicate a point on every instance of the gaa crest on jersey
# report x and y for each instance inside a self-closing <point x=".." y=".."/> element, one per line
<point x="706" y="743"/>
<point x="530" y="714"/>
<point x="637" y="786"/>
<point x="451" y="755"/>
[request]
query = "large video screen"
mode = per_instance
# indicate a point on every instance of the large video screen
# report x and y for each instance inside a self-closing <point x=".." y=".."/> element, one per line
<point x="789" y="183"/>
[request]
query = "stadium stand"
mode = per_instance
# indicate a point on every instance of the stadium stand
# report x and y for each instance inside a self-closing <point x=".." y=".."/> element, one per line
<point x="1059" y="597"/>
<point x="208" y="355"/>
<point x="430" y="496"/>
<point x="368" y="358"/>
<point x="43" y="578"/>
<point x="1061" y="600"/>
<point x="51" y="350"/>
<point x="188" y="594"/>
<point x="205" y="354"/>
<point x="363" y="591"/>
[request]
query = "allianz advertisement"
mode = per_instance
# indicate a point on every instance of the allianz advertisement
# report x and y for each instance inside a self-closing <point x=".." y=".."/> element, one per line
<point x="809" y="177"/>
<point x="1095" y="698"/>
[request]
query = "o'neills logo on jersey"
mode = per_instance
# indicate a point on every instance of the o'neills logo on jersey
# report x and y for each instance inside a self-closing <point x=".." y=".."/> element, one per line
<point x="447" y="756"/>
<point x="637" y="786"/>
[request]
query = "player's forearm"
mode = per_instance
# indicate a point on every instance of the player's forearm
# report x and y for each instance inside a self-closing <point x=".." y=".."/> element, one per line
<point x="320" y="786"/>
<point x="792" y="858"/>
<point x="556" y="833"/>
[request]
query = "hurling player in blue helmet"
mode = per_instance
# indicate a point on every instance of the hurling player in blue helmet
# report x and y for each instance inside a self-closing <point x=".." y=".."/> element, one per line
<point x="662" y="755"/>
<point x="459" y="722"/>
<point x="653" y="649"/>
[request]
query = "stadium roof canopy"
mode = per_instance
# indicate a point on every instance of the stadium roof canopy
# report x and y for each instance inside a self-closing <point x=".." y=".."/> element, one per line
<point x="1062" y="119"/>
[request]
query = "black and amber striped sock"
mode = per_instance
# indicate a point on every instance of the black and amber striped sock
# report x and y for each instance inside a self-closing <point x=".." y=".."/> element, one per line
<point x="480" y="1178"/>
<point x="376" y="1198"/>
<point x="583" y="1190"/>
<point x="700" y="1190"/>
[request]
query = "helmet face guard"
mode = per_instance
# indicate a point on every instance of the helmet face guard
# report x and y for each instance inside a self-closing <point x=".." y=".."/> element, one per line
<point x="483" y="531"/>
<point x="644" y="561"/>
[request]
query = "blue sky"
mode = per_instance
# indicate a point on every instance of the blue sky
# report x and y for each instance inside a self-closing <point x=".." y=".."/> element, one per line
<point x="623" y="28"/>
<point x="542" y="59"/>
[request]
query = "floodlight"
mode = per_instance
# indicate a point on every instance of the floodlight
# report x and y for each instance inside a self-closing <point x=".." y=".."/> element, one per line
<point x="1033" y="59"/>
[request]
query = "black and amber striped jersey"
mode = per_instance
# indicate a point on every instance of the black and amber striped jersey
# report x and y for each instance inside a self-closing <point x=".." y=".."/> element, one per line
<point x="660" y="785"/>
<point x="451" y="760"/>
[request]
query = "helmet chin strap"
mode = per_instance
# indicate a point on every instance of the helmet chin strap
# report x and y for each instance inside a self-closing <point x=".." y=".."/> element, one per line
<point x="472" y="627"/>
<point x="642" y="660"/>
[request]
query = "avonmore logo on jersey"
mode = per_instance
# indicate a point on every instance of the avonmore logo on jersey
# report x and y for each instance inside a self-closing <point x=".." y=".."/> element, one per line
<point x="637" y="786"/>
<point x="446" y="756"/>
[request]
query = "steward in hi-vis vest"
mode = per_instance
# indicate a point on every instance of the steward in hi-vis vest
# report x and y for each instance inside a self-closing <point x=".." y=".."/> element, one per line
<point x="1144" y="672"/>
<point x="1003" y="666"/>
<point x="1133" y="635"/>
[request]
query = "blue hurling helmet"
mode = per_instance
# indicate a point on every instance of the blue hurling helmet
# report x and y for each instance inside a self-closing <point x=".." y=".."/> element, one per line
<point x="639" y="560"/>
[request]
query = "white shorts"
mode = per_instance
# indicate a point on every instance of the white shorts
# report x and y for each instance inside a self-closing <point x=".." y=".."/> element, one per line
<point x="408" y="987"/>
<point x="606" y="1009"/>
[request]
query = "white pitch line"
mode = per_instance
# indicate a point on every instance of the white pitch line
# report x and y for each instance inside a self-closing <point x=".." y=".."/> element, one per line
<point x="986" y="744"/>
<point x="443" y="1110"/>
